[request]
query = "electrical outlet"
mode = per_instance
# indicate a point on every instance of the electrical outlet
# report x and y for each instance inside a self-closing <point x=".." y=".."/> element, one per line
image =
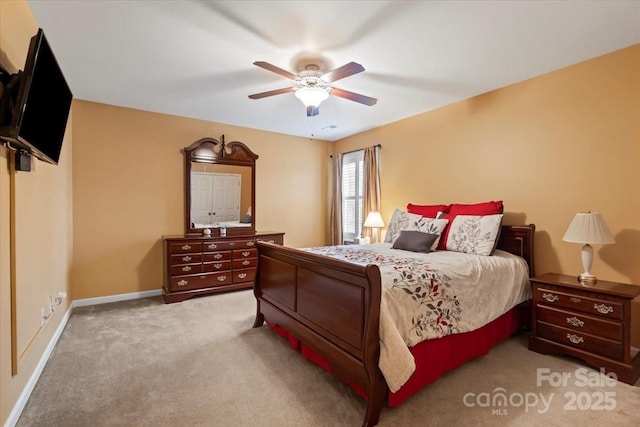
<point x="61" y="296"/>
<point x="43" y="317"/>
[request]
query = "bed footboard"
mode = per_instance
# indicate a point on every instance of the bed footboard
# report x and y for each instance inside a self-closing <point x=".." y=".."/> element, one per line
<point x="330" y="305"/>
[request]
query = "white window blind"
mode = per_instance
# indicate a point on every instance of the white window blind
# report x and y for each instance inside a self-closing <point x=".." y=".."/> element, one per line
<point x="352" y="194"/>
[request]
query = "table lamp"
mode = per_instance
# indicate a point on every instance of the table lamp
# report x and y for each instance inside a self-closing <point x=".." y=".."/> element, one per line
<point x="374" y="220"/>
<point x="588" y="228"/>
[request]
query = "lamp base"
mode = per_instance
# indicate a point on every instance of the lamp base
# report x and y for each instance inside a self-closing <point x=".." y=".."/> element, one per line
<point x="587" y="279"/>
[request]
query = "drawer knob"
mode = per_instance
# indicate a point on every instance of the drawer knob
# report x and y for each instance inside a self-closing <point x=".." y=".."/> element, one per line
<point x="222" y="278"/>
<point x="186" y="258"/>
<point x="213" y="246"/>
<point x="242" y="275"/>
<point x="183" y="282"/>
<point x="251" y="243"/>
<point x="575" y="300"/>
<point x="550" y="297"/>
<point x="574" y="321"/>
<point x="218" y="265"/>
<point x="246" y="262"/>
<point x="604" y="309"/>
<point x="186" y="268"/>
<point x="186" y="247"/>
<point x="217" y="256"/>
<point x="575" y="339"/>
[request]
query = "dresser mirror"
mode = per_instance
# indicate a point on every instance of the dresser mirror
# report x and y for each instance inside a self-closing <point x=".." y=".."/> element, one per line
<point x="219" y="187"/>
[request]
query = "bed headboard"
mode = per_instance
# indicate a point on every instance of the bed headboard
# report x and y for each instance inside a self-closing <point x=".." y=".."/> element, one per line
<point x="518" y="240"/>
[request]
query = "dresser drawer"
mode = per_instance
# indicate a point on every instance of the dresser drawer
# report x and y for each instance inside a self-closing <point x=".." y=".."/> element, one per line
<point x="244" y="275"/>
<point x="185" y="259"/>
<point x="245" y="244"/>
<point x="580" y="322"/>
<point x="577" y="301"/>
<point x="580" y="340"/>
<point x="216" y="256"/>
<point x="180" y="270"/>
<point x="244" y="263"/>
<point x="216" y="266"/>
<point x="198" y="281"/>
<point x="245" y="253"/>
<point x="278" y="240"/>
<point x="184" y="247"/>
<point x="217" y="246"/>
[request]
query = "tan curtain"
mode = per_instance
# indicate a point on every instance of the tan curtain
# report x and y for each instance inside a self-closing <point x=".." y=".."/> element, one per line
<point x="336" y="201"/>
<point x="371" y="201"/>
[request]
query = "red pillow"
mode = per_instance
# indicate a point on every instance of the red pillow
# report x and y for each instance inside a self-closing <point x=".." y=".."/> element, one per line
<point x="455" y="209"/>
<point x="428" y="211"/>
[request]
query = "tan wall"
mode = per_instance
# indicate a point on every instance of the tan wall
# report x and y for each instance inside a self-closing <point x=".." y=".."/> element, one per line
<point x="129" y="191"/>
<point x="561" y="143"/>
<point x="42" y="216"/>
<point x="551" y="146"/>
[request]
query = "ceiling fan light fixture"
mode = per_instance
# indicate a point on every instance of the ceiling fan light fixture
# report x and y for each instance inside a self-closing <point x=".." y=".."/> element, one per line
<point x="311" y="96"/>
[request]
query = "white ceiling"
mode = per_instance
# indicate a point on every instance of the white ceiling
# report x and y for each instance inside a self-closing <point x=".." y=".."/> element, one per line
<point x="195" y="58"/>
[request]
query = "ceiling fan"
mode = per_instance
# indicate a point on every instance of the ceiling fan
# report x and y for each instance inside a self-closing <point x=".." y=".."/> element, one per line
<point x="312" y="86"/>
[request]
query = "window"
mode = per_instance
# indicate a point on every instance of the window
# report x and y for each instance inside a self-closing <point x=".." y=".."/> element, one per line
<point x="352" y="194"/>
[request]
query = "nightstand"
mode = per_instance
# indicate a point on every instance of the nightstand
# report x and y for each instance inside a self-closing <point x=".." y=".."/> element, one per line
<point x="591" y="322"/>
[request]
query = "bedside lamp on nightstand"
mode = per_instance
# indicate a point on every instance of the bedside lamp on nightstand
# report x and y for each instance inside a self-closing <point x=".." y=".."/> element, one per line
<point x="374" y="220"/>
<point x="588" y="228"/>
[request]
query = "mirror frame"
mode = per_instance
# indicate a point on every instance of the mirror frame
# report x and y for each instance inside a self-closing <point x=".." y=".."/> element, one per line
<point x="212" y="151"/>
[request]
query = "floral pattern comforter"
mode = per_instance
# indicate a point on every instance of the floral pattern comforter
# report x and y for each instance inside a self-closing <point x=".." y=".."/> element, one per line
<point x="427" y="296"/>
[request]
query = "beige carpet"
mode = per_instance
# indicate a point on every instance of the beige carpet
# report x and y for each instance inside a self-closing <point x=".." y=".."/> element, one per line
<point x="199" y="363"/>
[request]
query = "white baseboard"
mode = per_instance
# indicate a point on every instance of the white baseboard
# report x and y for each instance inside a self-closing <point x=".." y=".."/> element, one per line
<point x="14" y="416"/>
<point x="115" y="298"/>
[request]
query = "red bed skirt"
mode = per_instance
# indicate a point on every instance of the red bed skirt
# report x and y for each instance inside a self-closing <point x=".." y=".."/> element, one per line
<point x="434" y="357"/>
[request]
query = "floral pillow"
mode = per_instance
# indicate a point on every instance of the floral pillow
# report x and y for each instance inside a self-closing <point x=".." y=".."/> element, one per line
<point x="433" y="226"/>
<point x="474" y="234"/>
<point x="401" y="221"/>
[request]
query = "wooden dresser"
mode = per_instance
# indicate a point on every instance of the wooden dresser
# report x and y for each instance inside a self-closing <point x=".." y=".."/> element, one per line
<point x="197" y="265"/>
<point x="590" y="322"/>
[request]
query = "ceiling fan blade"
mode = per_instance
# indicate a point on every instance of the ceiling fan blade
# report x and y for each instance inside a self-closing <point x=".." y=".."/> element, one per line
<point x="341" y="72"/>
<point x="277" y="70"/>
<point x="272" y="92"/>
<point x="352" y="96"/>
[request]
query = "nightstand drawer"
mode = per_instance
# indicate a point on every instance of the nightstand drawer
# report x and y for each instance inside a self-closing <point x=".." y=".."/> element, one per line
<point x="577" y="301"/>
<point x="580" y="322"/>
<point x="580" y="340"/>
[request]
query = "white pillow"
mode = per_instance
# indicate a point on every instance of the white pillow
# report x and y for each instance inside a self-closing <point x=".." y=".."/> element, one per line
<point x="401" y="220"/>
<point x="473" y="234"/>
<point x="433" y="226"/>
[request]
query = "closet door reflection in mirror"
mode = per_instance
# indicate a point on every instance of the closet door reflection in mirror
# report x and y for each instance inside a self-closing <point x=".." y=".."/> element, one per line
<point x="220" y="194"/>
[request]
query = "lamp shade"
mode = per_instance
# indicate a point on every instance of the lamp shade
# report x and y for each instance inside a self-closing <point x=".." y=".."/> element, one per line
<point x="311" y="96"/>
<point x="588" y="228"/>
<point x="374" y="219"/>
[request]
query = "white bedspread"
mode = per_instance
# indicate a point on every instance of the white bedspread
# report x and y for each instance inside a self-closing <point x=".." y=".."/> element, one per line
<point x="427" y="296"/>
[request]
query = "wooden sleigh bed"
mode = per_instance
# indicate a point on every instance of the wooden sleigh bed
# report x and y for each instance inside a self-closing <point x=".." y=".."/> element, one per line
<point x="330" y="310"/>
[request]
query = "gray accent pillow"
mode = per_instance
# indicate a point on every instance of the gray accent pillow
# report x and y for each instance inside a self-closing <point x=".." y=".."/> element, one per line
<point x="415" y="241"/>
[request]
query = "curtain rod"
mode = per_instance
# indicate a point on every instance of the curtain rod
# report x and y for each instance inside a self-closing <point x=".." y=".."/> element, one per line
<point x="353" y="151"/>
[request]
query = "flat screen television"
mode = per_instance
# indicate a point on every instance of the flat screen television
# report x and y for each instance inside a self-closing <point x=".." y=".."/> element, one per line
<point x="35" y="103"/>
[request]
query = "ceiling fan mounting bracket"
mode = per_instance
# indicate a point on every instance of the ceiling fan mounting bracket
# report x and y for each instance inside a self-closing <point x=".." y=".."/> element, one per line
<point x="303" y="62"/>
